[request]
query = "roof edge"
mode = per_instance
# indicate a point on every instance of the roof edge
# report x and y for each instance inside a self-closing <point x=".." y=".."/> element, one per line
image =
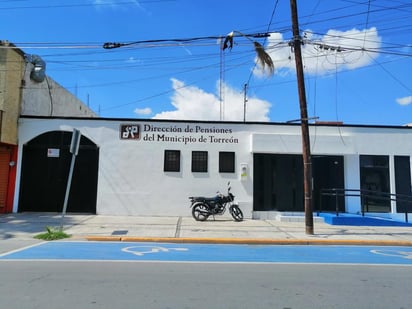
<point x="321" y="124"/>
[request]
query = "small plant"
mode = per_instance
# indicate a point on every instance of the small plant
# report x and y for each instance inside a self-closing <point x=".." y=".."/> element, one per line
<point x="52" y="234"/>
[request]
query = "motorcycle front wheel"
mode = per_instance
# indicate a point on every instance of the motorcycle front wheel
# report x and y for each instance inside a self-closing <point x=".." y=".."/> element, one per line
<point x="200" y="212"/>
<point x="236" y="213"/>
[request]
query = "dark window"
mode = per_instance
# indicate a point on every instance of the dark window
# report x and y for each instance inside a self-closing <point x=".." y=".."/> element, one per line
<point x="199" y="161"/>
<point x="172" y="161"/>
<point x="374" y="173"/>
<point x="226" y="162"/>
<point x="403" y="183"/>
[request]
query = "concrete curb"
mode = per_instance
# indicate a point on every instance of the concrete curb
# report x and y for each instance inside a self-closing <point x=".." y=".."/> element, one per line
<point x="249" y="241"/>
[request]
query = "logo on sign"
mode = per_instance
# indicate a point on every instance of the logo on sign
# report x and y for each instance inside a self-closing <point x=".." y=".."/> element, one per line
<point x="130" y="131"/>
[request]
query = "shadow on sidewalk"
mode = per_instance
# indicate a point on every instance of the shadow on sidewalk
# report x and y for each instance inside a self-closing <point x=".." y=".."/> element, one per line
<point x="32" y="223"/>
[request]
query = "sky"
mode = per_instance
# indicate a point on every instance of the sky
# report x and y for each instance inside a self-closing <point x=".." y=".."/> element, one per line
<point x="168" y="61"/>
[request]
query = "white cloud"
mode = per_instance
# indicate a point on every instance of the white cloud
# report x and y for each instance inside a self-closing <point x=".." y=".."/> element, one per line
<point x="404" y="100"/>
<point x="191" y="102"/>
<point x="143" y="111"/>
<point x="132" y="60"/>
<point x="320" y="58"/>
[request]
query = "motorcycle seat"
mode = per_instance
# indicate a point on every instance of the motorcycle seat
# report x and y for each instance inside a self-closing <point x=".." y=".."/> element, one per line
<point x="202" y="198"/>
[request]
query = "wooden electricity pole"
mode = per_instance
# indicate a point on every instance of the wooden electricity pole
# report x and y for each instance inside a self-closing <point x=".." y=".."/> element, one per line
<point x="307" y="161"/>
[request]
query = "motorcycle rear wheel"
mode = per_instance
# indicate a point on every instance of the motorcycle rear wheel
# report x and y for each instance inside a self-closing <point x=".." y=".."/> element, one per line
<point x="236" y="213"/>
<point x="200" y="212"/>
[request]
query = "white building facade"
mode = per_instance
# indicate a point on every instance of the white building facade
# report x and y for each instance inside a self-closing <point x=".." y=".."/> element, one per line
<point x="151" y="167"/>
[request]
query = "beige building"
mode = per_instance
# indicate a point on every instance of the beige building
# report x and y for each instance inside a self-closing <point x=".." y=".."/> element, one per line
<point x="25" y="89"/>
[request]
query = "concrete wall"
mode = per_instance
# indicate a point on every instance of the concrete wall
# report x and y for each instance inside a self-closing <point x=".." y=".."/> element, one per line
<point x="131" y="180"/>
<point x="11" y="75"/>
<point x="20" y="95"/>
<point x="48" y="98"/>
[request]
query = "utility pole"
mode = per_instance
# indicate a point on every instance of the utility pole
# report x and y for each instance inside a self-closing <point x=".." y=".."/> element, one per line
<point x="307" y="160"/>
<point x="244" y="102"/>
<point x="221" y="83"/>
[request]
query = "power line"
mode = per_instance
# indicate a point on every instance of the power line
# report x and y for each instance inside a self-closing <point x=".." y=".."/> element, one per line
<point x="246" y="85"/>
<point x="77" y="5"/>
<point x="112" y="45"/>
<point x="79" y="54"/>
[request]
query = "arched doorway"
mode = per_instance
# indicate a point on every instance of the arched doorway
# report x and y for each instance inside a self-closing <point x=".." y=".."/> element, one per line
<point x="45" y="169"/>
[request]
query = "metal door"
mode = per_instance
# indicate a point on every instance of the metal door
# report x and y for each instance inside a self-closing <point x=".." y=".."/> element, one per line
<point x="5" y="154"/>
<point x="45" y="169"/>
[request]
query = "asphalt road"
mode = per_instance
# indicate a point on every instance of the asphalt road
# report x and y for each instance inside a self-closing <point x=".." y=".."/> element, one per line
<point x="125" y="284"/>
<point x="78" y="274"/>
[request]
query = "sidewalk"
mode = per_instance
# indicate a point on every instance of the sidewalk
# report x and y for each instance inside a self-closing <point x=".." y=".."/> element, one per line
<point x="186" y="229"/>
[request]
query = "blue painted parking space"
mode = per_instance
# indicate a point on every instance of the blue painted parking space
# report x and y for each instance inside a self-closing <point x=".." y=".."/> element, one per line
<point x="132" y="251"/>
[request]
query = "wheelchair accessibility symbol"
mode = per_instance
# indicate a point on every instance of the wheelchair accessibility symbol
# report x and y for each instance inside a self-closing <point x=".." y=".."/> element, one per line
<point x="142" y="250"/>
<point x="395" y="253"/>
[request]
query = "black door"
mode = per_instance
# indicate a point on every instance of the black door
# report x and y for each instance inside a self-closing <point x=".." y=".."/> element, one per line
<point x="45" y="171"/>
<point x="327" y="173"/>
<point x="403" y="183"/>
<point x="278" y="182"/>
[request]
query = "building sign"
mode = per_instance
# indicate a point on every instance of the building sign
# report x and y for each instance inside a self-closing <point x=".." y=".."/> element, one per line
<point x="175" y="133"/>
<point x="130" y="131"/>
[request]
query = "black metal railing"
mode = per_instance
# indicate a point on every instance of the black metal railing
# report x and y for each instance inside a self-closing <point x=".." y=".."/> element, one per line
<point x="366" y="197"/>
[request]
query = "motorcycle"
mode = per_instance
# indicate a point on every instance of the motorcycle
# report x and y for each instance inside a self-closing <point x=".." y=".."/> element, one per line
<point x="203" y="207"/>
